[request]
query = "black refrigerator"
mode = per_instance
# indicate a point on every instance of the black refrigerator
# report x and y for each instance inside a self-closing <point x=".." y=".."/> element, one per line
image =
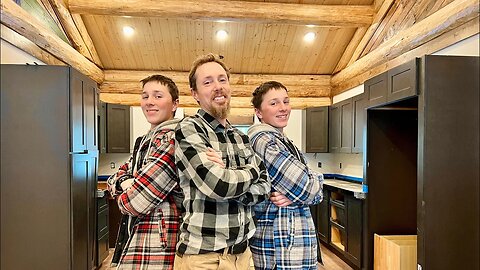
<point x="49" y="158"/>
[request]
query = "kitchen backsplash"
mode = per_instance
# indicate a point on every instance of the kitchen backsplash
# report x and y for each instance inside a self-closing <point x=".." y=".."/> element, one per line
<point x="337" y="163"/>
<point x="105" y="160"/>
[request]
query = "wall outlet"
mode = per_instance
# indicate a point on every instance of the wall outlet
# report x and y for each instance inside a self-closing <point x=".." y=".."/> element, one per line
<point x="112" y="165"/>
<point x="319" y="164"/>
<point x="340" y="165"/>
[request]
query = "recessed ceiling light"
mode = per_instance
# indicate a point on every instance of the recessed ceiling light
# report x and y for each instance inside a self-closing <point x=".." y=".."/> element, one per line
<point x="128" y="31"/>
<point x="221" y="21"/>
<point x="309" y="37"/>
<point x="221" y="34"/>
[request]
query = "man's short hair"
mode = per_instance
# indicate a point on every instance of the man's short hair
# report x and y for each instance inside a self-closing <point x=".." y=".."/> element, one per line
<point x="203" y="60"/>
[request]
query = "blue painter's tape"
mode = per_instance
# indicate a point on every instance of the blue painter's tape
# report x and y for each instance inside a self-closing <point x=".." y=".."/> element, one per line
<point x="342" y="177"/>
<point x="103" y="177"/>
<point x="365" y="188"/>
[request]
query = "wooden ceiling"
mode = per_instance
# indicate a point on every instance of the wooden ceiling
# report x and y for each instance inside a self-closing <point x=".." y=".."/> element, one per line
<point x="355" y="40"/>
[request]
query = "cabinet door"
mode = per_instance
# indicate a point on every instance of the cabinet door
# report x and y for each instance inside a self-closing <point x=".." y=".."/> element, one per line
<point x="402" y="81"/>
<point x="90" y="97"/>
<point x="317" y="130"/>
<point x="334" y="128"/>
<point x="102" y="127"/>
<point x="354" y="229"/>
<point x="323" y="218"/>
<point x="118" y="128"/>
<point x="83" y="112"/>
<point x="359" y="104"/>
<point x="376" y="90"/>
<point x="83" y="190"/>
<point x="346" y="126"/>
<point x="77" y="117"/>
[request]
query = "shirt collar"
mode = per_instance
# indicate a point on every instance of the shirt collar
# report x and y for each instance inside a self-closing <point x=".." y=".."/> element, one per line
<point x="213" y="122"/>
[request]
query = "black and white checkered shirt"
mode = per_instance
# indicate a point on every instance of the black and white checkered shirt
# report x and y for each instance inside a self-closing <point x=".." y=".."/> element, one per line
<point x="218" y="201"/>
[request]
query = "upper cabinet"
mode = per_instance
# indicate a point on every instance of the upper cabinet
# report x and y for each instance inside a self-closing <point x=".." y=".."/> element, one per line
<point x="359" y="104"/>
<point x="114" y="133"/>
<point x="83" y="104"/>
<point x="393" y="85"/>
<point x="317" y="130"/>
<point x="347" y="125"/>
<point x="341" y="127"/>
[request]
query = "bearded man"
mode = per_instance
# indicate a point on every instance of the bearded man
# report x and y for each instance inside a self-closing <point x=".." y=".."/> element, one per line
<point x="220" y="175"/>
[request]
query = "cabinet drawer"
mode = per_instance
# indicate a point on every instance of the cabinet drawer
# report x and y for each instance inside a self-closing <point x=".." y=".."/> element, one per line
<point x="102" y="222"/>
<point x="102" y="248"/>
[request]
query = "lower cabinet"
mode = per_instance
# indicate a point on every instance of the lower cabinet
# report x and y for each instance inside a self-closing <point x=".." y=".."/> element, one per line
<point x="102" y="229"/>
<point x="338" y="220"/>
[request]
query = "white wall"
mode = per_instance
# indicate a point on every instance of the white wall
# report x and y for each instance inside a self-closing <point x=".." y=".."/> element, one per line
<point x="10" y="54"/>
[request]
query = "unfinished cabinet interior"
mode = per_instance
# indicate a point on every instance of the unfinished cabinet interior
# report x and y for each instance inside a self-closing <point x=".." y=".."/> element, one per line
<point x="421" y="173"/>
<point x="338" y="220"/>
<point x="317" y="130"/>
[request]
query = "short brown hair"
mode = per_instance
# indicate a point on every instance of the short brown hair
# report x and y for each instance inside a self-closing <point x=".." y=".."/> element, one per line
<point x="169" y="83"/>
<point x="262" y="89"/>
<point x="203" y="60"/>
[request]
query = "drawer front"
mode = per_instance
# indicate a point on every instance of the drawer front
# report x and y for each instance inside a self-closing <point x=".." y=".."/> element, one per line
<point x="102" y="219"/>
<point x="102" y="248"/>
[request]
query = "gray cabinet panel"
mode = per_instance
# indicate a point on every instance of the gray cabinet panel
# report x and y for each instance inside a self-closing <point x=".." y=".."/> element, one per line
<point x="118" y="128"/>
<point x="359" y="104"/>
<point x="317" y="130"/>
<point x="39" y="178"/>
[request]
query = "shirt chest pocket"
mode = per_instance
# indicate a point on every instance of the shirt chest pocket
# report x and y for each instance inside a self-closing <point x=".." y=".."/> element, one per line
<point x="241" y="155"/>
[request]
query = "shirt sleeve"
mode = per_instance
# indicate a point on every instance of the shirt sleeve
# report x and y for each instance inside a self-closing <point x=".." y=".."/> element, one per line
<point x="288" y="174"/>
<point x="112" y="180"/>
<point x="260" y="189"/>
<point x="154" y="181"/>
<point x="210" y="178"/>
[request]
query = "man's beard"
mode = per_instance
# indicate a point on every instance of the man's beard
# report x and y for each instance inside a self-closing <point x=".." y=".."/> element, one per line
<point x="220" y="112"/>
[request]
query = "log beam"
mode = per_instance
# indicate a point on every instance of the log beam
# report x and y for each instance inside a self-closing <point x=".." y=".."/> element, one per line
<point x="16" y="18"/>
<point x="27" y="46"/>
<point x="266" y="12"/>
<point x="449" y="17"/>
<point x="238" y="90"/>
<point x="247" y="79"/>
<point x="236" y="102"/>
<point x="451" y="37"/>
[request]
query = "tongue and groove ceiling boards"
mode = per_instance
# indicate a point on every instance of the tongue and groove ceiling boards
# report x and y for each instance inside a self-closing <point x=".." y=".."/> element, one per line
<point x="354" y="40"/>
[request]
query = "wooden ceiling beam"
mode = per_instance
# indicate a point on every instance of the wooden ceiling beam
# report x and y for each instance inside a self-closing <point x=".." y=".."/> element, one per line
<point x="128" y="82"/>
<point x="27" y="46"/>
<point x="451" y="37"/>
<point x="235" y="78"/>
<point x="449" y="17"/>
<point x="238" y="90"/>
<point x="236" y="102"/>
<point x="19" y="20"/>
<point x="266" y="12"/>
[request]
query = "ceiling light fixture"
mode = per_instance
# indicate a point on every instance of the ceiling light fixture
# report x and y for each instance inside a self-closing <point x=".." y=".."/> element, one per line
<point x="309" y="37"/>
<point x="221" y="34"/>
<point x="221" y="21"/>
<point x="128" y="31"/>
